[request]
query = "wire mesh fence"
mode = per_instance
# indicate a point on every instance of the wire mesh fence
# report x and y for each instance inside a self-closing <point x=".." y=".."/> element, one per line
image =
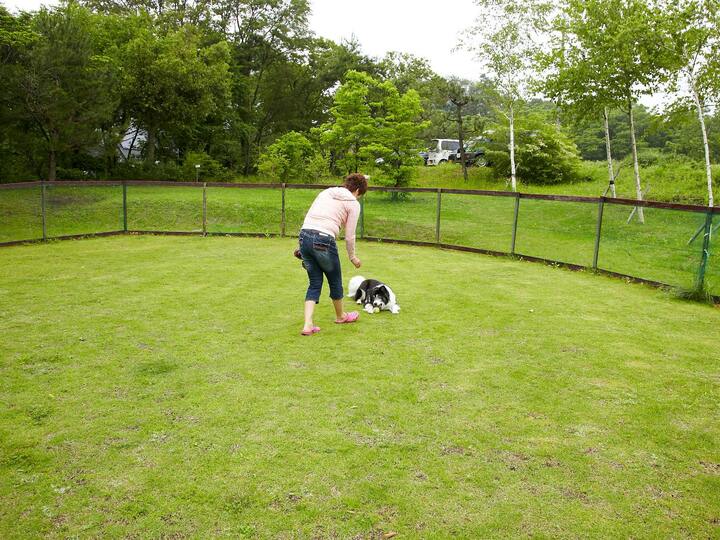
<point x="673" y="245"/>
<point x="712" y="276"/>
<point x="562" y="231"/>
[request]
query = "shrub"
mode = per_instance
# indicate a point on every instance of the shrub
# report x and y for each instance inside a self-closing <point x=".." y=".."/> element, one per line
<point x="72" y="173"/>
<point x="292" y="158"/>
<point x="210" y="169"/>
<point x="648" y="156"/>
<point x="544" y="153"/>
<point x="139" y="170"/>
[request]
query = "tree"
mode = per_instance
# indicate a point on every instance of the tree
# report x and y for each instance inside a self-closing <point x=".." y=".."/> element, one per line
<point x="265" y="37"/>
<point x="505" y="40"/>
<point x="16" y="38"/>
<point x="546" y="154"/>
<point x="691" y="34"/>
<point x="459" y="96"/>
<point x="395" y="146"/>
<point x="291" y="157"/>
<point x="571" y="81"/>
<point x="352" y="125"/>
<point x="619" y="49"/>
<point x="172" y="84"/>
<point x="591" y="135"/>
<point x="65" y="82"/>
<point x="373" y="125"/>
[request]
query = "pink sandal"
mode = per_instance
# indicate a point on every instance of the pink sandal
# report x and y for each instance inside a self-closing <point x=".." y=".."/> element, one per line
<point x="313" y="330"/>
<point x="349" y="317"/>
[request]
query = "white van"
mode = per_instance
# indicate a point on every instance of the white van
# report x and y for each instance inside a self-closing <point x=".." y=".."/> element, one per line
<point x="441" y="150"/>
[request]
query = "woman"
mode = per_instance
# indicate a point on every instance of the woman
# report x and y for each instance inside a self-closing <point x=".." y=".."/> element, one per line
<point x="332" y="209"/>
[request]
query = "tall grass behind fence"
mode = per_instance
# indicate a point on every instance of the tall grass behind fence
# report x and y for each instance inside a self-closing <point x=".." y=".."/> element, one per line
<point x="256" y="210"/>
<point x="77" y="210"/>
<point x="400" y="216"/>
<point x="557" y="230"/>
<point x="176" y="207"/>
<point x="656" y="250"/>
<point x="21" y="213"/>
<point x="480" y="222"/>
<point x="580" y="231"/>
<point x="712" y="276"/>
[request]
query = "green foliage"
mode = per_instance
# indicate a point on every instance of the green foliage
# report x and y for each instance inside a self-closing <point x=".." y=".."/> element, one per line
<point x="228" y="79"/>
<point x="292" y="159"/>
<point x="374" y="127"/>
<point x="172" y="84"/>
<point x="209" y="170"/>
<point x="589" y="135"/>
<point x="61" y="83"/>
<point x="545" y="153"/>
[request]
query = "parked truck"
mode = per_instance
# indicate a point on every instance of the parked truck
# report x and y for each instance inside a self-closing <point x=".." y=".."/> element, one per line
<point x="442" y="151"/>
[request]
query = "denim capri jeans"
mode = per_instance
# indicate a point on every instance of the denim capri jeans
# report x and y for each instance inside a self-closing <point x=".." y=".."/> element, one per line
<point x="320" y="256"/>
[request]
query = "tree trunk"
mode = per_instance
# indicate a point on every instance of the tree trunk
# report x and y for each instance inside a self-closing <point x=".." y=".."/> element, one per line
<point x="611" y="172"/>
<point x="636" y="167"/>
<point x="150" y="145"/>
<point x="52" y="165"/>
<point x="52" y="155"/>
<point x="513" y="180"/>
<point x="462" y="143"/>
<point x="246" y="157"/>
<point x="701" y="117"/>
<point x="132" y="144"/>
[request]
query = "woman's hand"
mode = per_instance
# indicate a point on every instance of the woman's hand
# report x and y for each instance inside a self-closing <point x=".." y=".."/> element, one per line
<point x="357" y="263"/>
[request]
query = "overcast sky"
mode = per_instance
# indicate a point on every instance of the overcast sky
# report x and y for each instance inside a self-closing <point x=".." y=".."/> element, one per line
<point x="426" y="28"/>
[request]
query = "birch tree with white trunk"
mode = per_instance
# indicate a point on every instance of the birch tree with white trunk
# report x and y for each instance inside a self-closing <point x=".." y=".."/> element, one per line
<point x="622" y="49"/>
<point x="693" y="40"/>
<point x="569" y="76"/>
<point x="504" y="40"/>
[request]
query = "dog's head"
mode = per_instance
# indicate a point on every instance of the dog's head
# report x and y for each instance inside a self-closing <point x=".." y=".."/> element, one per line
<point x="380" y="296"/>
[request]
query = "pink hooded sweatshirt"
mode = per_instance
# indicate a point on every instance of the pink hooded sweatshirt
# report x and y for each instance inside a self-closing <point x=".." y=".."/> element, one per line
<point x="333" y="208"/>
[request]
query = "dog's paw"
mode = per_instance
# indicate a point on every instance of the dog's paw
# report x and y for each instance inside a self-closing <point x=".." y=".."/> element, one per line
<point x="395" y="309"/>
<point x="368" y="308"/>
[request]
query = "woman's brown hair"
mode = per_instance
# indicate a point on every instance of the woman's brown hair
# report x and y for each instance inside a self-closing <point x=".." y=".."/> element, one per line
<point x="356" y="181"/>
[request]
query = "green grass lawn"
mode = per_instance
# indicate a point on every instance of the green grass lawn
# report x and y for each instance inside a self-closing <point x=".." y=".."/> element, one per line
<point x="673" y="181"/>
<point x="157" y="386"/>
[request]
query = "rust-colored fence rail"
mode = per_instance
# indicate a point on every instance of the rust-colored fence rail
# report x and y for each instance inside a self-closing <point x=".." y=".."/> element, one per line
<point x="673" y="247"/>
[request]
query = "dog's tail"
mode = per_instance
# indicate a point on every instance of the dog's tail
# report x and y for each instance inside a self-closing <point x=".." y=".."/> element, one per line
<point x="354" y="285"/>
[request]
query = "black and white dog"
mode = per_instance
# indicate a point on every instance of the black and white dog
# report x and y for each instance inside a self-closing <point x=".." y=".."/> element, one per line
<point x="374" y="295"/>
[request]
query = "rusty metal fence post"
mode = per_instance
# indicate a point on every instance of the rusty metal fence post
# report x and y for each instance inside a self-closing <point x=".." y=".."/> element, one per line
<point x="124" y="186"/>
<point x="204" y="217"/>
<point x="598" y="232"/>
<point x="42" y="209"/>
<point x="515" y="223"/>
<point x="437" y="216"/>
<point x="700" y="283"/>
<point x="282" y="212"/>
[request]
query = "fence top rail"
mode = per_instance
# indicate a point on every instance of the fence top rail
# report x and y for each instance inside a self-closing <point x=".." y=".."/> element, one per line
<point x="20" y="185"/>
<point x="487" y="193"/>
<point x="665" y="205"/>
<point x="168" y="183"/>
<point x="562" y="198"/>
<point x="245" y="186"/>
<point x="387" y="189"/>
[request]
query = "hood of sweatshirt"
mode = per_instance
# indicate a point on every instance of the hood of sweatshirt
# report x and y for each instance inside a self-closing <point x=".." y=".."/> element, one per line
<point x="341" y="194"/>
